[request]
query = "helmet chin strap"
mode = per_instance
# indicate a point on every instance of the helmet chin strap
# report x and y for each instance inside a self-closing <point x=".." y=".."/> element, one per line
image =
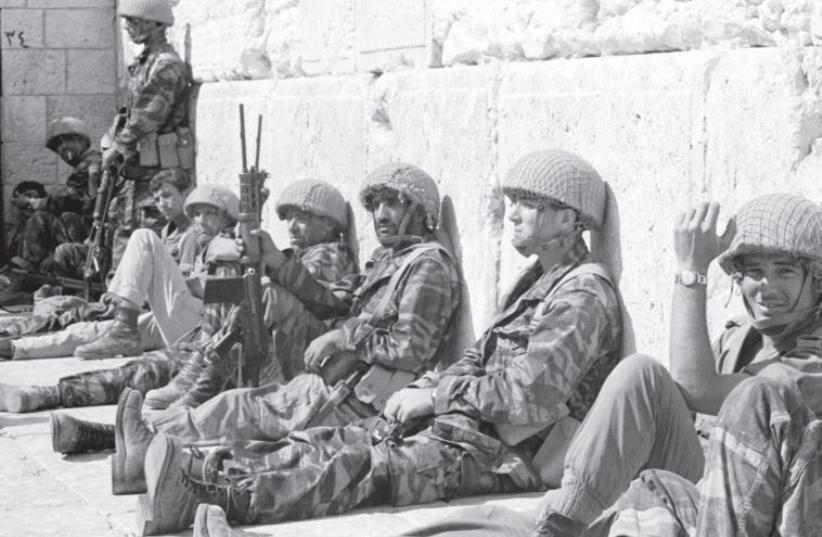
<point x="787" y="322"/>
<point x="401" y="237"/>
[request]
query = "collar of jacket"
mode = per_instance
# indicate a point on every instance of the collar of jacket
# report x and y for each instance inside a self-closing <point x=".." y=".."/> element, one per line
<point x="156" y="45"/>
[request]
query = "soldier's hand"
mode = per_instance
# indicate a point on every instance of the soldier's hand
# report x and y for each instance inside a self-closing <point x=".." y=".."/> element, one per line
<point x="323" y="346"/>
<point x="223" y="249"/>
<point x="409" y="403"/>
<point x="110" y="156"/>
<point x="273" y="257"/>
<point x="696" y="242"/>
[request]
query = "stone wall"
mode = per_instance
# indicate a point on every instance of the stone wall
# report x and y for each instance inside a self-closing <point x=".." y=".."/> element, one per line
<point x="58" y="58"/>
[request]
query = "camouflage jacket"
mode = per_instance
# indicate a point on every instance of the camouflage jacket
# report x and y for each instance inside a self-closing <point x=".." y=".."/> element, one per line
<point x="181" y="242"/>
<point x="81" y="186"/>
<point x="158" y="88"/>
<point x="328" y="262"/>
<point x="404" y="337"/>
<point x="545" y="354"/>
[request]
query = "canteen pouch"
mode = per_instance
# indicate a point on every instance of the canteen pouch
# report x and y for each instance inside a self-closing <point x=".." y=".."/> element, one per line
<point x="167" y="150"/>
<point x="185" y="147"/>
<point x="147" y="147"/>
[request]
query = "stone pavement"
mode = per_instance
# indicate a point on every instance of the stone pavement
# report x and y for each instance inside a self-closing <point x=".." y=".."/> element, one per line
<point x="43" y="493"/>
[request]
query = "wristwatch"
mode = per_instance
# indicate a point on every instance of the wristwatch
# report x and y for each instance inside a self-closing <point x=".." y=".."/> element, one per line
<point x="689" y="278"/>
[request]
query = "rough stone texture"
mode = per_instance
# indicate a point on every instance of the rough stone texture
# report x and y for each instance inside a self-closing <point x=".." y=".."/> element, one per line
<point x="664" y="130"/>
<point x="80" y="28"/>
<point x="59" y="4"/>
<point x="90" y="71"/>
<point x="96" y="110"/>
<point x="20" y="77"/>
<point x="21" y="28"/>
<point x="24" y="119"/>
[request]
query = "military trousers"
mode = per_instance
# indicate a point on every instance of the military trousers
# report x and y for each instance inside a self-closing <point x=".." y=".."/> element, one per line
<point x="639" y="421"/>
<point x="62" y="343"/>
<point x="103" y="387"/>
<point x="763" y="473"/>
<point x="331" y="470"/>
<point x="148" y="272"/>
<point x="267" y="413"/>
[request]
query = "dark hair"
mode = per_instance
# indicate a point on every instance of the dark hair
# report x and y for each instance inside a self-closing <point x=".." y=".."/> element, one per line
<point x="172" y="176"/>
<point x="22" y="186"/>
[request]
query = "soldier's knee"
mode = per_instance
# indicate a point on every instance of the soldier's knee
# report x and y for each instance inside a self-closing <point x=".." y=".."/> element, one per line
<point x="636" y="370"/>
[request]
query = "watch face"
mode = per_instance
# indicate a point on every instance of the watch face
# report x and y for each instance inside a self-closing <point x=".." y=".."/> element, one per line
<point x="687" y="278"/>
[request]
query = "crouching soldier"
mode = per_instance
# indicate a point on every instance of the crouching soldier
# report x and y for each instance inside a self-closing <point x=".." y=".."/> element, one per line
<point x="481" y="421"/>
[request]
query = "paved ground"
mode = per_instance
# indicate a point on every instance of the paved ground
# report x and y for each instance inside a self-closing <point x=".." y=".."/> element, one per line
<point x="46" y="494"/>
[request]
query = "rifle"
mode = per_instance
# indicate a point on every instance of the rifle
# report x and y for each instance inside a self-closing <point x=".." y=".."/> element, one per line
<point x="343" y="371"/>
<point x="38" y="279"/>
<point x="96" y="256"/>
<point x="248" y="330"/>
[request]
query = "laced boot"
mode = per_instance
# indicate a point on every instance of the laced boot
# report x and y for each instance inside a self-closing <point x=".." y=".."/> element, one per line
<point x="210" y="521"/>
<point x="6" y="348"/>
<point x="176" y="485"/>
<point x="121" y="339"/>
<point x="132" y="436"/>
<point x="217" y="372"/>
<point x="17" y="399"/>
<point x="162" y="398"/>
<point x="71" y="435"/>
<point x="15" y="291"/>
<point x="554" y="524"/>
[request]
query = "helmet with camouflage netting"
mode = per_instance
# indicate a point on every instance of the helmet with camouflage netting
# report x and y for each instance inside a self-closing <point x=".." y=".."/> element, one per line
<point x="563" y="178"/>
<point x="411" y="182"/>
<point x="66" y="126"/>
<point x="316" y="197"/>
<point x="776" y="224"/>
<point x="152" y="10"/>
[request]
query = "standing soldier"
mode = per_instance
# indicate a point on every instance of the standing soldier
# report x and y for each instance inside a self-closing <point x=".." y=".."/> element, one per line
<point x="152" y="132"/>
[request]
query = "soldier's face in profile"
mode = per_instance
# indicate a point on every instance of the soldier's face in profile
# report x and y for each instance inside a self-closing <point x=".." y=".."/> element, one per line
<point x="70" y="149"/>
<point x="388" y="212"/>
<point x="138" y="29"/>
<point x="169" y="201"/>
<point x="534" y="222"/>
<point x="305" y="229"/>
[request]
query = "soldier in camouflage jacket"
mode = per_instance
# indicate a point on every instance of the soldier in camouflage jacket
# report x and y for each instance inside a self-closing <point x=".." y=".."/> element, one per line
<point x="481" y="421"/>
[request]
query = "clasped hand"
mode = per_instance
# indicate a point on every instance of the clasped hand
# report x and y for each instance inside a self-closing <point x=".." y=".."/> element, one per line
<point x="229" y="250"/>
<point x="408" y="404"/>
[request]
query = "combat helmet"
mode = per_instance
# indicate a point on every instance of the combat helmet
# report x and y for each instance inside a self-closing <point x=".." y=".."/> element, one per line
<point x="316" y="197"/>
<point x="152" y="10"/>
<point x="66" y="126"/>
<point x="411" y="182"/>
<point x="216" y="196"/>
<point x="780" y="224"/>
<point x="563" y="178"/>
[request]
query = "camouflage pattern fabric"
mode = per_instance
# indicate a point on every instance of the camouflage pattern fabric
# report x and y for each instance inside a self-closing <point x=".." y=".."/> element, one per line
<point x="103" y="387"/>
<point x="44" y="231"/>
<point x="545" y="354"/>
<point x="532" y="342"/>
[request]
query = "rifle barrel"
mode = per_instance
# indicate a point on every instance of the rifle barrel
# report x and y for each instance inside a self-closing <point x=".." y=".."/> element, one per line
<point x="242" y="137"/>
<point x="259" y="135"/>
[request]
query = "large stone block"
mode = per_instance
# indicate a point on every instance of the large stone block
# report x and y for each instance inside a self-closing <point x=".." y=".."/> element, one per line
<point x="33" y="71"/>
<point x="328" y="44"/>
<point x="24" y="119"/>
<point x="12" y="3"/>
<point x="96" y="110"/>
<point x="90" y="71"/>
<point x="80" y="28"/>
<point x="25" y="161"/>
<point x="21" y="28"/>
<point x="62" y="4"/>
<point x="393" y="34"/>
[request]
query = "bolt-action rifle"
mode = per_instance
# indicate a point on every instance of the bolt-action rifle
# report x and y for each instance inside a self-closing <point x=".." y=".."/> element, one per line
<point x="248" y="330"/>
<point x="96" y="257"/>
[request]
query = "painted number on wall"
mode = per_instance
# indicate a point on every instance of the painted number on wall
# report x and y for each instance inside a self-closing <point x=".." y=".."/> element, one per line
<point x="16" y="38"/>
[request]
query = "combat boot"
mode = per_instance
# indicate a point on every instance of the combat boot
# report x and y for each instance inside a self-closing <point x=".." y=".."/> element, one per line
<point x="162" y="398"/>
<point x="176" y="485"/>
<point x="554" y="524"/>
<point x="70" y="435"/>
<point x="210" y="521"/>
<point x="217" y="372"/>
<point x="122" y="338"/>
<point x="6" y="348"/>
<point x="132" y="436"/>
<point x="17" y="399"/>
<point x="15" y="291"/>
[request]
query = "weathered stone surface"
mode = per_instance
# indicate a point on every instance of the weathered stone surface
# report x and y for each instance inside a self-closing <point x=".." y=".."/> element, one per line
<point x="328" y="28"/>
<point x="80" y="28"/>
<point x="24" y="119"/>
<point x="28" y="161"/>
<point x="12" y="3"/>
<point x="21" y="28"/>
<point x="33" y="71"/>
<point x="56" y="4"/>
<point x="96" y="110"/>
<point x="393" y="34"/>
<point x="90" y="71"/>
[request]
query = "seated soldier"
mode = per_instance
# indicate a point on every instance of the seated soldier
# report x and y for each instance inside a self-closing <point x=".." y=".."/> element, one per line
<point x="763" y="468"/>
<point x="399" y="318"/>
<point x="316" y="216"/>
<point x="483" y="419"/>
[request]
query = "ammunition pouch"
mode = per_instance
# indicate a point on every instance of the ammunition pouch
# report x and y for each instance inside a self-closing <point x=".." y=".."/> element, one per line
<point x="170" y="150"/>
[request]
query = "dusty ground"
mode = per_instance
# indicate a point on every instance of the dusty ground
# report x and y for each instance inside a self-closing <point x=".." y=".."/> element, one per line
<point x="43" y="493"/>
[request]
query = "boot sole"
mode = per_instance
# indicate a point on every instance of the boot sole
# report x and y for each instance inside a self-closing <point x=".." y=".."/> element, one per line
<point x="201" y="521"/>
<point x="54" y="420"/>
<point x="120" y="483"/>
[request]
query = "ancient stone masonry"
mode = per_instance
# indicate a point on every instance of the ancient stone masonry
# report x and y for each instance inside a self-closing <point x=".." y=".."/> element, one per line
<point x="734" y="109"/>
